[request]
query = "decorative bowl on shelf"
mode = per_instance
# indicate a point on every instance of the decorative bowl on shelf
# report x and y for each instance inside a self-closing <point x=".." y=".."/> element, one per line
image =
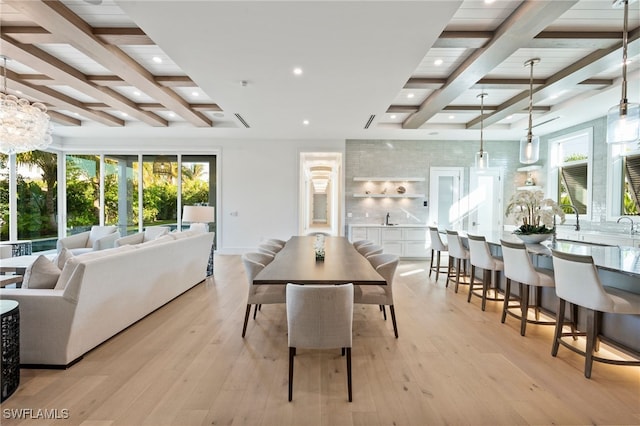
<point x="533" y="238"/>
<point x="401" y="190"/>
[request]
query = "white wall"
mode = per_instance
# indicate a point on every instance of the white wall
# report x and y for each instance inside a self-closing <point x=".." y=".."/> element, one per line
<point x="257" y="179"/>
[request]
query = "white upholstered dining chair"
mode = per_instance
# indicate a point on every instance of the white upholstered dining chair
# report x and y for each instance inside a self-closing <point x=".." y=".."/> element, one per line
<point x="319" y="317"/>
<point x="259" y="294"/>
<point x="381" y="295"/>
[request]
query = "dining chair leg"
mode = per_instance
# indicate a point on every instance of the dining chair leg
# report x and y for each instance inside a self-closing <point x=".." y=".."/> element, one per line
<point x="384" y="312"/>
<point x="255" y="311"/>
<point x="486" y="281"/>
<point x="393" y="319"/>
<point x="449" y="267"/>
<point x="591" y="340"/>
<point x="246" y="319"/>
<point x="292" y="352"/>
<point x="438" y="266"/>
<point x="349" y="374"/>
<point x="458" y="262"/>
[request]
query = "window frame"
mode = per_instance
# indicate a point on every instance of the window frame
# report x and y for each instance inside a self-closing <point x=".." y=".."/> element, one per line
<point x="555" y="163"/>
<point x="615" y="178"/>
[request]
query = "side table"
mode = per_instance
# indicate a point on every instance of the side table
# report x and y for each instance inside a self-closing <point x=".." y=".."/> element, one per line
<point x="10" y="347"/>
<point x="19" y="247"/>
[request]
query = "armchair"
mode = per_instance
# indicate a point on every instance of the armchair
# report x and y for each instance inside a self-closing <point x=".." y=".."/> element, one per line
<point x="151" y="233"/>
<point x="99" y="238"/>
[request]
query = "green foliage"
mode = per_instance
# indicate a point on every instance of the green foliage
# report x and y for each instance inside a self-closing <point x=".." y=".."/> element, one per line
<point x="575" y="157"/>
<point x="533" y="229"/>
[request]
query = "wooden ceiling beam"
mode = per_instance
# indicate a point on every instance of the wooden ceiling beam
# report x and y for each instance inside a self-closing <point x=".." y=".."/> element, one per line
<point x="64" y="119"/>
<point x="515" y="31"/>
<point x="117" y="36"/>
<point x="64" y="74"/>
<point x="597" y="62"/>
<point x="56" y="18"/>
<point x="544" y="39"/>
<point x="50" y="96"/>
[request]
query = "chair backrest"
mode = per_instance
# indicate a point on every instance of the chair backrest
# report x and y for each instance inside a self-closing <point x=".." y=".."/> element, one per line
<point x="271" y="246"/>
<point x="517" y="263"/>
<point x="456" y="249"/>
<point x="360" y="243"/>
<point x="479" y="253"/>
<point x="577" y="281"/>
<point x="276" y="242"/>
<point x="267" y="249"/>
<point x="320" y="316"/>
<point x="386" y="265"/>
<point x="370" y="250"/>
<point x="254" y="263"/>
<point x="436" y="241"/>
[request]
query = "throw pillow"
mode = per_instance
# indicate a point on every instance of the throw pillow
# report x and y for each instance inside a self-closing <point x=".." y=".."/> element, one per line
<point x="41" y="274"/>
<point x="62" y="257"/>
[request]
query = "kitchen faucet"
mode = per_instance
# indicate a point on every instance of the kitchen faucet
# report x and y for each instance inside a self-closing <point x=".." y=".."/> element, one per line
<point x="632" y="230"/>
<point x="577" y="214"/>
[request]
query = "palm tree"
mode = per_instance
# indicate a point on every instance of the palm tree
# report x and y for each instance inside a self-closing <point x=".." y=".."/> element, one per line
<point x="47" y="162"/>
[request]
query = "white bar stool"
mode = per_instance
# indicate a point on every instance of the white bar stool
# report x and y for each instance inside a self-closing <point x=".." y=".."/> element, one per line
<point x="458" y="254"/>
<point x="437" y="247"/>
<point x="481" y="257"/>
<point x="577" y="282"/>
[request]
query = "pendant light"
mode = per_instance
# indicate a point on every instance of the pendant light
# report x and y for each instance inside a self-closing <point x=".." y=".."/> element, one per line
<point x="482" y="157"/>
<point x="623" y="120"/>
<point x="530" y="145"/>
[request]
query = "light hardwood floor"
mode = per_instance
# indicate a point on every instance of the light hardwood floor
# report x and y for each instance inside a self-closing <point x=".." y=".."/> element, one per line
<point x="186" y="364"/>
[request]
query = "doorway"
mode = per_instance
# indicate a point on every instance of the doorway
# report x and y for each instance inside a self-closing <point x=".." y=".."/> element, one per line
<point x="485" y="201"/>
<point x="320" y="193"/>
<point x="445" y="192"/>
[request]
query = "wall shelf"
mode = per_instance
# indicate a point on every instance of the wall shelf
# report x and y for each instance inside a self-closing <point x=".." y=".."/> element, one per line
<point x="529" y="168"/>
<point x="529" y="188"/>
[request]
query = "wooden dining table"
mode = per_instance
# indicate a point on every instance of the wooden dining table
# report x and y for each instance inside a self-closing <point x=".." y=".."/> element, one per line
<point x="296" y="263"/>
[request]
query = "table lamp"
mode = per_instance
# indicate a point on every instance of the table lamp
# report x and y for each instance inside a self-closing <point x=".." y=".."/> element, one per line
<point x="199" y="217"/>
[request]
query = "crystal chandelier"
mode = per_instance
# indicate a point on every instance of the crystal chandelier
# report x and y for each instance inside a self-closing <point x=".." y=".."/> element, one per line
<point x="23" y="126"/>
<point x="623" y="119"/>
<point x="482" y="156"/>
<point x="530" y="145"/>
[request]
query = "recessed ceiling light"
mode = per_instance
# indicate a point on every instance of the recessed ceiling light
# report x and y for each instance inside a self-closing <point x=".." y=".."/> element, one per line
<point x="194" y="93"/>
<point x="438" y="62"/>
<point x="19" y="92"/>
<point x="489" y="1"/>
<point x="509" y="117"/>
<point x="297" y="71"/>
<point x="305" y="122"/>
<point x="124" y="114"/>
<point x="451" y="117"/>
<point x="554" y="96"/>
<point x="76" y="114"/>
<point x="393" y="116"/>
<point x="136" y="93"/>
<point x="157" y="59"/>
<point x="172" y="114"/>
<point x="410" y="95"/>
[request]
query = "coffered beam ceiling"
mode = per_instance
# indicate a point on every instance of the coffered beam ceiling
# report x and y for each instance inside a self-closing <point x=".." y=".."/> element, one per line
<point x="58" y="20"/>
<point x="517" y="30"/>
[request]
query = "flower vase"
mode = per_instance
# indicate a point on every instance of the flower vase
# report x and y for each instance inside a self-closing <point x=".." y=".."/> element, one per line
<point x="533" y="238"/>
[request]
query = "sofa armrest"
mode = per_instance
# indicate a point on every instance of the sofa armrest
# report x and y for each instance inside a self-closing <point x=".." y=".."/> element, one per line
<point x="106" y="242"/>
<point x="136" y="238"/>
<point x="73" y="241"/>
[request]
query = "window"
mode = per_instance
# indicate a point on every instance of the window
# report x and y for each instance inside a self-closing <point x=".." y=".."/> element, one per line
<point x="571" y="169"/>
<point x="83" y="192"/>
<point x="623" y="180"/>
<point x="121" y="192"/>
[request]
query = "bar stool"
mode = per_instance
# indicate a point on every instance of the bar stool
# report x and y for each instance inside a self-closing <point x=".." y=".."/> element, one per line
<point x="518" y="268"/>
<point x="437" y="247"/>
<point x="458" y="254"/>
<point x="577" y="282"/>
<point x="481" y="257"/>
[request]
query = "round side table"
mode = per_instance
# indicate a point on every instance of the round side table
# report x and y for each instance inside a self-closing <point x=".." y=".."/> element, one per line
<point x="10" y="347"/>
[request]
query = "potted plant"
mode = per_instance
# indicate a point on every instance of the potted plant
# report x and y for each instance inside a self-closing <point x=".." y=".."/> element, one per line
<point x="535" y="214"/>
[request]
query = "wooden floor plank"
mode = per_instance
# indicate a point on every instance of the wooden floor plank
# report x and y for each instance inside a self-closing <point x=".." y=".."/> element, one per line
<point x="186" y="364"/>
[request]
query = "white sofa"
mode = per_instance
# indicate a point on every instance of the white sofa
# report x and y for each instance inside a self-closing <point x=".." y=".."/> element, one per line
<point x="98" y="238"/>
<point x="101" y="293"/>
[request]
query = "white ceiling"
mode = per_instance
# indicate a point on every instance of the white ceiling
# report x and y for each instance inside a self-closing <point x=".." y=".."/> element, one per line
<point x="358" y="59"/>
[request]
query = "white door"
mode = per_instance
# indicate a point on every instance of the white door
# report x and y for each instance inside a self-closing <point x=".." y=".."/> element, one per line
<point x="445" y="192"/>
<point x="485" y="200"/>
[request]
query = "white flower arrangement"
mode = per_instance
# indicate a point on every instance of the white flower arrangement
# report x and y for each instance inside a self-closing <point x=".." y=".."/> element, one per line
<point x="535" y="212"/>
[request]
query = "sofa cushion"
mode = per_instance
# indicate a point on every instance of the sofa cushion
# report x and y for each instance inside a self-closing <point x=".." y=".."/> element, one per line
<point x="62" y="257"/>
<point x="160" y="240"/>
<point x="42" y="273"/>
<point x="98" y="232"/>
<point x="153" y="232"/>
<point x="71" y="264"/>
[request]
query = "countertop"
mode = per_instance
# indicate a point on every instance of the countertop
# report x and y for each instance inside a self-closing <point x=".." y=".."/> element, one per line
<point x="618" y="259"/>
<point x="400" y="225"/>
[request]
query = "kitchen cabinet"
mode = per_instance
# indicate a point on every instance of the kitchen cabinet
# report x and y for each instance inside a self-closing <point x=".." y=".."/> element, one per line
<point x="405" y="241"/>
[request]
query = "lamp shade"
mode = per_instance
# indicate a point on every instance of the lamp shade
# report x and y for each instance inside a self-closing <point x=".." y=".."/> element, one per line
<point x="623" y="123"/>
<point x="482" y="159"/>
<point x="529" y="149"/>
<point x="198" y="214"/>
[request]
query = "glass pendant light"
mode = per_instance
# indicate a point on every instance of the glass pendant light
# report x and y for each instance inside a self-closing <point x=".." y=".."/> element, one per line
<point x="623" y="120"/>
<point x="482" y="157"/>
<point x="530" y="145"/>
